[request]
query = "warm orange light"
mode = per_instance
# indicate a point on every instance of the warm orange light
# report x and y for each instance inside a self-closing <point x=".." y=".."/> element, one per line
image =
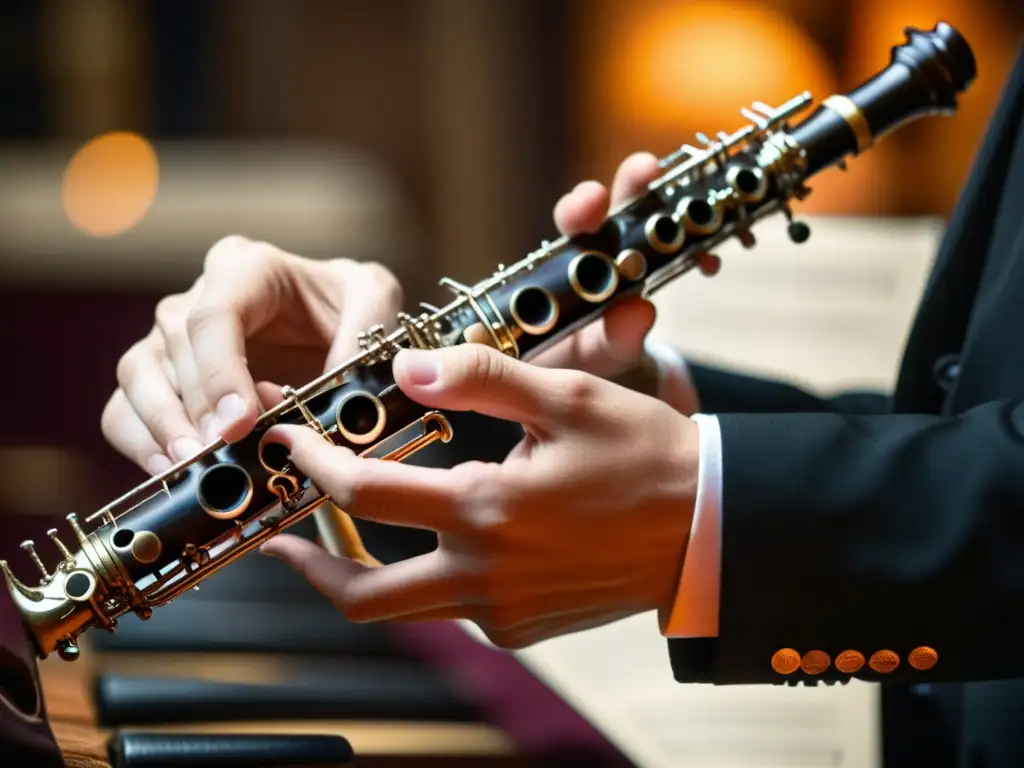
<point x="110" y="183"/>
<point x="653" y="72"/>
<point x="683" y="64"/>
<point x="935" y="155"/>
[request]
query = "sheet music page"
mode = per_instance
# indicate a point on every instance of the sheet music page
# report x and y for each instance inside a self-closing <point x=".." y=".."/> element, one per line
<point x="830" y="314"/>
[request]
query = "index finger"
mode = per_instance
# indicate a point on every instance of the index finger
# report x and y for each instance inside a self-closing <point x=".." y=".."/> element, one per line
<point x="372" y="489"/>
<point x="586" y="207"/>
<point x="240" y="293"/>
<point x="631" y="179"/>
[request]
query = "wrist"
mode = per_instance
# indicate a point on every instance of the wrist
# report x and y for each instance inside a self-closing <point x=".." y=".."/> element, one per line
<point x="675" y="385"/>
<point x="684" y="482"/>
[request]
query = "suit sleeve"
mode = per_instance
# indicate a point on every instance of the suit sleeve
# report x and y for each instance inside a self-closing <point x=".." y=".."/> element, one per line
<point x="890" y="546"/>
<point x="723" y="391"/>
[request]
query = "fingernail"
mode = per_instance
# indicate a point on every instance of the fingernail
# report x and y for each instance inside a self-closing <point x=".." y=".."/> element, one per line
<point x="281" y="434"/>
<point x="158" y="464"/>
<point x="184" y="448"/>
<point x="229" y="410"/>
<point x="208" y="428"/>
<point x="421" y="366"/>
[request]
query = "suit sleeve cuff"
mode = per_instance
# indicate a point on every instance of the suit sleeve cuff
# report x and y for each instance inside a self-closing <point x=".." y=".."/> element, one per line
<point x="694" y="612"/>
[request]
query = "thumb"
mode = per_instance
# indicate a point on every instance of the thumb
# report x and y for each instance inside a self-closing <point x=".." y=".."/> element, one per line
<point x="475" y="377"/>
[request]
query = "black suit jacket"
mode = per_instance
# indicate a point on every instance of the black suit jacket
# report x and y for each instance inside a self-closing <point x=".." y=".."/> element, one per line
<point x="875" y="523"/>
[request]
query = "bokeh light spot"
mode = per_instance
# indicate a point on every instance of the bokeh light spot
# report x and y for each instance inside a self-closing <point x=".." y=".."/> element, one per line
<point x="681" y="63"/>
<point x="110" y="183"/>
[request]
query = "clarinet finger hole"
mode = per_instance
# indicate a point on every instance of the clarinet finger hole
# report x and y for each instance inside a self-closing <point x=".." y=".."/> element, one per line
<point x="122" y="538"/>
<point x="274" y="457"/>
<point x="535" y="310"/>
<point x="225" y="491"/>
<point x="699" y="215"/>
<point x="664" y="234"/>
<point x="361" y="417"/>
<point x="80" y="586"/>
<point x="748" y="183"/>
<point x="593" y="276"/>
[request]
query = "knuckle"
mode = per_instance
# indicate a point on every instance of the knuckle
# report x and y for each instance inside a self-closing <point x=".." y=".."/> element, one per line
<point x="485" y="520"/>
<point x="162" y="426"/>
<point x="482" y="365"/>
<point x="170" y="311"/>
<point x="579" y="392"/>
<point x="195" y="404"/>
<point x="226" y="248"/>
<point x="227" y="252"/>
<point x="216" y="383"/>
<point x="128" y="364"/>
<point x="385" y="282"/>
<point x="267" y="253"/>
<point x="201" y="317"/>
<point x="329" y="465"/>
<point x="469" y="479"/>
<point x="579" y="387"/>
<point x="108" y="419"/>
<point x="481" y="503"/>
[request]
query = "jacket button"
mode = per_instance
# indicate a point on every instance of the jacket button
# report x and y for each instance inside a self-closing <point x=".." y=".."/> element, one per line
<point x="815" y="662"/>
<point x="786" y="661"/>
<point x="946" y="371"/>
<point x="923" y="658"/>
<point x="884" y="662"/>
<point x="849" y="662"/>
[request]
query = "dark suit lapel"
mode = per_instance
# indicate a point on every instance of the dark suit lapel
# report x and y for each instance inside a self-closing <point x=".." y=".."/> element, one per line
<point x="991" y="366"/>
<point x="948" y="300"/>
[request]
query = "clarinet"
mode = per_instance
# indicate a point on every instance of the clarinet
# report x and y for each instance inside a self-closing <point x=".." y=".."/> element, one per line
<point x="170" y="533"/>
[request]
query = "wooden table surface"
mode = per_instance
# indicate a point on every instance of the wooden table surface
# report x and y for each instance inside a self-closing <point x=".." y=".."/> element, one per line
<point x="66" y="687"/>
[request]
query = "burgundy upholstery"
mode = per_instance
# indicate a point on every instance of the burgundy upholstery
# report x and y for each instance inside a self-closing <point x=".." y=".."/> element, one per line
<point x="540" y="723"/>
<point x="25" y="735"/>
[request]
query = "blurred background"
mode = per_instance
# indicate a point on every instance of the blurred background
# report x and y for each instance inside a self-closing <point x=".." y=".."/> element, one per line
<point x="433" y="136"/>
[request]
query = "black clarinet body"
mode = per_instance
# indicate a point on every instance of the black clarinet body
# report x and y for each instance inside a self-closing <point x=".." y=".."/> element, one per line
<point x="924" y="77"/>
<point x="169" y="534"/>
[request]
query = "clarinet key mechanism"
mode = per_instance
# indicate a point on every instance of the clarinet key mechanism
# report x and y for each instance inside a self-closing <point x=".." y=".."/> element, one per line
<point x="166" y="536"/>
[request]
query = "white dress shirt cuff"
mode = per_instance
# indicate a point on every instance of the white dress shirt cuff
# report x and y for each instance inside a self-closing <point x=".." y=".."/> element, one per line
<point x="694" y="612"/>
